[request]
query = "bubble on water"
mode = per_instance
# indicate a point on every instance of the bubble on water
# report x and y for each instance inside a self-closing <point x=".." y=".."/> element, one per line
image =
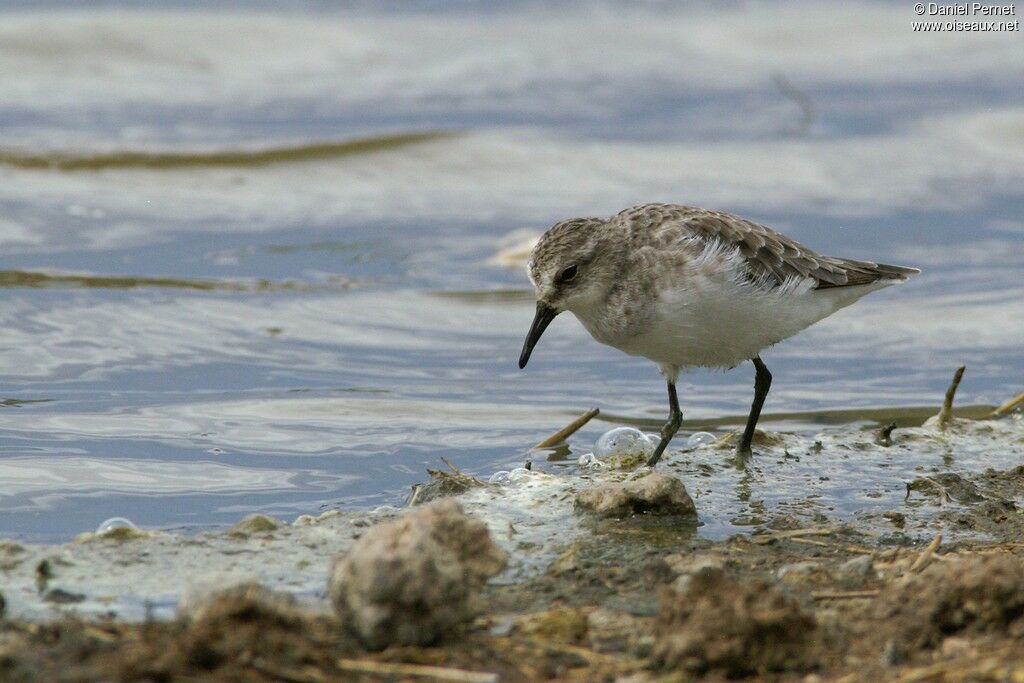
<point x="113" y="523"/>
<point x="589" y="460"/>
<point x="500" y="477"/>
<point x="624" y="448"/>
<point x="699" y="439"/>
<point x="509" y="477"/>
<point x="623" y="442"/>
<point x="518" y="475"/>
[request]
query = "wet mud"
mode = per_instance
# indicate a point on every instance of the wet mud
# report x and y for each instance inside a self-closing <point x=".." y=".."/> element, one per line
<point x="597" y="576"/>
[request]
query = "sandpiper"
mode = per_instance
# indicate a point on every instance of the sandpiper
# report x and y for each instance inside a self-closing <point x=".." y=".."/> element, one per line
<point x="688" y="287"/>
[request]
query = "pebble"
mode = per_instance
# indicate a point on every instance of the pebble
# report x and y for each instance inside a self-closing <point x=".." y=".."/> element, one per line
<point x="654" y="494"/>
<point x="413" y="580"/>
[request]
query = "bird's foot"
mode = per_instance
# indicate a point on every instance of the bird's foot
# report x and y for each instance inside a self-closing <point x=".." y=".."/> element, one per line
<point x="667" y="432"/>
<point x="653" y="460"/>
<point x="741" y="457"/>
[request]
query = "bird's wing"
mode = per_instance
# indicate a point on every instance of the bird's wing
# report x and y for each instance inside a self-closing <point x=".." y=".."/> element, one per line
<point x="773" y="257"/>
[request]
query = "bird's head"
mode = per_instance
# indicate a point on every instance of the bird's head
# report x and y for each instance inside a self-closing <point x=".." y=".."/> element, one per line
<point x="570" y="272"/>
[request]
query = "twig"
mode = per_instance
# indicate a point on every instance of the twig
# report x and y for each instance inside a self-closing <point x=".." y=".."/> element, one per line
<point x="925" y="557"/>
<point x="995" y="667"/>
<point x="593" y="658"/>
<point x="452" y="467"/>
<point x="860" y="550"/>
<point x="980" y="551"/>
<point x="848" y="678"/>
<point x="844" y="595"/>
<point x="416" y="489"/>
<point x="808" y="531"/>
<point x="568" y="430"/>
<point x="890" y="555"/>
<point x="397" y="669"/>
<point x="946" y="414"/>
<point x="794" y="533"/>
<point x="1009" y="406"/>
<point x="923" y="673"/>
<point x="811" y="541"/>
<point x="100" y="634"/>
<point x="305" y="675"/>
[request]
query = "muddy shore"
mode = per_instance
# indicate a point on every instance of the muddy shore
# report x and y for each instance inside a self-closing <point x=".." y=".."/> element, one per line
<point x="931" y="589"/>
<point x="630" y="604"/>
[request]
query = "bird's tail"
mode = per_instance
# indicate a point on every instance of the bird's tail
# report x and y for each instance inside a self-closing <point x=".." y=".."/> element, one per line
<point x="895" y="272"/>
<point x="866" y="272"/>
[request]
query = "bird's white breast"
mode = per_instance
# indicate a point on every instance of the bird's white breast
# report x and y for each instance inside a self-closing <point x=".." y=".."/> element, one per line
<point x="716" y="318"/>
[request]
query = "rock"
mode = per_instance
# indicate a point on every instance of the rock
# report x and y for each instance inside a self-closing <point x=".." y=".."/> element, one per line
<point x="10" y="547"/>
<point x="653" y="494"/>
<point x="310" y="520"/>
<point x="892" y="654"/>
<point x="947" y="486"/>
<point x="60" y="596"/>
<point x="970" y="596"/>
<point x="655" y="571"/>
<point x="809" y="572"/>
<point x="898" y="519"/>
<point x="566" y="563"/>
<point x="117" y="534"/>
<point x="559" y="625"/>
<point x="443" y="485"/>
<point x="853" y="573"/>
<point x="720" y="625"/>
<point x="255" y="524"/>
<point x="785" y="523"/>
<point x="728" y="441"/>
<point x="613" y="631"/>
<point x="412" y="580"/>
<point x="248" y="600"/>
<point x="685" y="566"/>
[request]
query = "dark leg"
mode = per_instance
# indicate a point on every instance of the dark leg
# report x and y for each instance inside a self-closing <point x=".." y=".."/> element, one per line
<point x="762" y="383"/>
<point x="675" y="418"/>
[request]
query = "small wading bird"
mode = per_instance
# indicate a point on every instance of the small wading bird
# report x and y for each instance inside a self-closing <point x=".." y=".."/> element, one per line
<point x="688" y="287"/>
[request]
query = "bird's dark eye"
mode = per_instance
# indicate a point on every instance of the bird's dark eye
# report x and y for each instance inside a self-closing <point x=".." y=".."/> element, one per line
<point x="568" y="274"/>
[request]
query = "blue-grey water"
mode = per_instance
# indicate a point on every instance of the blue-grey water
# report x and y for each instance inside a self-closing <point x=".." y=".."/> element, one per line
<point x="186" y="343"/>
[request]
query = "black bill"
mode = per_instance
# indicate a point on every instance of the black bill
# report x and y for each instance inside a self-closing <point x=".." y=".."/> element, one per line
<point x="545" y="314"/>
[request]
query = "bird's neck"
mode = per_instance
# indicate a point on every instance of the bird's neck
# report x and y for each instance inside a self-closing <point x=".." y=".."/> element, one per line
<point x="617" y="316"/>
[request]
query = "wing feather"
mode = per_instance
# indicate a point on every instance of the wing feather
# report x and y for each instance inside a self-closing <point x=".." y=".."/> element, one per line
<point x="770" y="256"/>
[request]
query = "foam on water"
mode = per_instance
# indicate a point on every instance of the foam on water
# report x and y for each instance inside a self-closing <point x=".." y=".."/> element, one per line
<point x="840" y="474"/>
<point x="809" y="479"/>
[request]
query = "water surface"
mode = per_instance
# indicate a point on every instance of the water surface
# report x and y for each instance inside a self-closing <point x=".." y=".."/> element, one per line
<point x="245" y="254"/>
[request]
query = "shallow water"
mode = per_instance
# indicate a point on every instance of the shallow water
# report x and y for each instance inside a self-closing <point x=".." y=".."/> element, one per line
<point x="292" y="307"/>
